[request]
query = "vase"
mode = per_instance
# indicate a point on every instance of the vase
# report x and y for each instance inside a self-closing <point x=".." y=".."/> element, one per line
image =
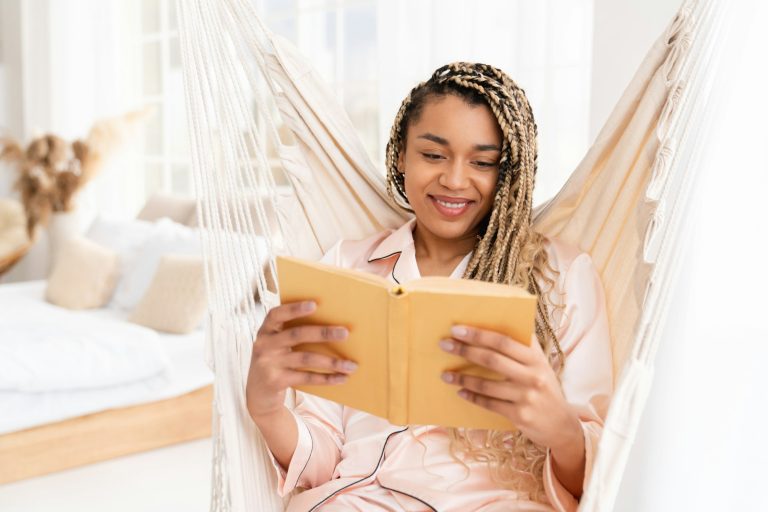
<point x="62" y="226"/>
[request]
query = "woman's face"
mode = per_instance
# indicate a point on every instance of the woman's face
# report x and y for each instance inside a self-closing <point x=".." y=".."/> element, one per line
<point x="451" y="166"/>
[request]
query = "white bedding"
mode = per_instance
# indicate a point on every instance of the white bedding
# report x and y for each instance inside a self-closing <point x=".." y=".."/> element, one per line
<point x="64" y="353"/>
<point x="174" y="364"/>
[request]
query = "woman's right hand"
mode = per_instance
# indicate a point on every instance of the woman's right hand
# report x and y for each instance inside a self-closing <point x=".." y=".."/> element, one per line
<point x="275" y="365"/>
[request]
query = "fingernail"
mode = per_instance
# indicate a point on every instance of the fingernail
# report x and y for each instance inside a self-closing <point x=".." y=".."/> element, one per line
<point x="339" y="333"/>
<point x="462" y="393"/>
<point x="350" y="366"/>
<point x="308" y="306"/>
<point x="446" y="345"/>
<point x="458" y="331"/>
<point x="447" y="377"/>
<point x="337" y="379"/>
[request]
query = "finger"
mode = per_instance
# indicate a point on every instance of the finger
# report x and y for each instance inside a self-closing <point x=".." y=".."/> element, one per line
<point x="492" y="388"/>
<point x="310" y="360"/>
<point x="278" y="315"/>
<point x="295" y="378"/>
<point x="309" y="334"/>
<point x="503" y="407"/>
<point x="494" y="341"/>
<point x="488" y="358"/>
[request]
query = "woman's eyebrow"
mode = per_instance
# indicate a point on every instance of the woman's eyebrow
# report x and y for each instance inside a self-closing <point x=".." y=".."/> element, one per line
<point x="444" y="142"/>
<point x="487" y="147"/>
<point x="434" y="138"/>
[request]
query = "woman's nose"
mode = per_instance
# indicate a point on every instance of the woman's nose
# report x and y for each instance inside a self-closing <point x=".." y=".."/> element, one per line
<point x="455" y="176"/>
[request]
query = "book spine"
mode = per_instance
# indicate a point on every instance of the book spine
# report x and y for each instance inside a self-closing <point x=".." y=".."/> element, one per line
<point x="397" y="341"/>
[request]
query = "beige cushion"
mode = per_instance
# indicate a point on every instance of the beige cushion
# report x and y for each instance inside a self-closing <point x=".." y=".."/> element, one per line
<point x="175" y="300"/>
<point x="84" y="275"/>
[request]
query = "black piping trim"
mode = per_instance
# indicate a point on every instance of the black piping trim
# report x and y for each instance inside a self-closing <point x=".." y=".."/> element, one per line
<point x="399" y="253"/>
<point x="384" y="257"/>
<point x="311" y="449"/>
<point x="381" y="458"/>
<point x="409" y="495"/>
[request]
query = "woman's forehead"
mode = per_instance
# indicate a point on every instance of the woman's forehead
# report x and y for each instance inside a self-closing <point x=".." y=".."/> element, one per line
<point x="450" y="120"/>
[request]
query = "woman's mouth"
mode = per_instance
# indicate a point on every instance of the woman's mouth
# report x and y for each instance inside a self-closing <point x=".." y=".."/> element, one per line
<point x="450" y="206"/>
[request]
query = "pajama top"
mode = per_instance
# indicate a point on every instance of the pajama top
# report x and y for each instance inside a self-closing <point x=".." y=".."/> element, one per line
<point x="349" y="460"/>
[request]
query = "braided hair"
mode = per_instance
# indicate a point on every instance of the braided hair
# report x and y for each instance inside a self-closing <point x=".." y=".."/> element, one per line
<point x="508" y="250"/>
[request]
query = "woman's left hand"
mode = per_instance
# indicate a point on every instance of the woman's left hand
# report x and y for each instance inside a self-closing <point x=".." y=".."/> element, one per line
<point x="529" y="395"/>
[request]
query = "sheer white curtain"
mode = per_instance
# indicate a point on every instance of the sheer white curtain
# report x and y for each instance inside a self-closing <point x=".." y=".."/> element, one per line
<point x="373" y="52"/>
<point x="546" y="46"/>
<point x="702" y="443"/>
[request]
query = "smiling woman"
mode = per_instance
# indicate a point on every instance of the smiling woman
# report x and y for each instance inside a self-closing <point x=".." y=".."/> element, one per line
<point x="462" y="159"/>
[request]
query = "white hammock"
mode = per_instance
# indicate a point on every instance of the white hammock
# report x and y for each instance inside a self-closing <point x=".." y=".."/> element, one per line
<point x="623" y="205"/>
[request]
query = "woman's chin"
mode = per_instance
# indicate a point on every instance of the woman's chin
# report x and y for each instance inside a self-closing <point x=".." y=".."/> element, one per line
<point x="448" y="230"/>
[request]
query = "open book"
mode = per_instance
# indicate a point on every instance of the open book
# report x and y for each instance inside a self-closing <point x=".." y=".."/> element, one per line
<point x="394" y="332"/>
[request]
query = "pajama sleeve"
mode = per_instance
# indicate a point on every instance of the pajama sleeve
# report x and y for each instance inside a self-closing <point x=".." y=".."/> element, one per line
<point x="320" y="433"/>
<point x="318" y="449"/>
<point x="587" y="376"/>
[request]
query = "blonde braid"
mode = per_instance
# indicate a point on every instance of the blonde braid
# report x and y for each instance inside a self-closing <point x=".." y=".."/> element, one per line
<point x="508" y="250"/>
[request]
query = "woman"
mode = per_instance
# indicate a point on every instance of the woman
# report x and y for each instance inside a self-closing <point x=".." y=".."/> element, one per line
<point x="462" y="158"/>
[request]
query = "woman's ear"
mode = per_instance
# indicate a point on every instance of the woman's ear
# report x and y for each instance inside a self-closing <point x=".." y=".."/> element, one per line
<point x="401" y="162"/>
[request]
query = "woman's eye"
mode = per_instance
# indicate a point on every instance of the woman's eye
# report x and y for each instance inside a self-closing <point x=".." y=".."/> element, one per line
<point x="433" y="156"/>
<point x="485" y="164"/>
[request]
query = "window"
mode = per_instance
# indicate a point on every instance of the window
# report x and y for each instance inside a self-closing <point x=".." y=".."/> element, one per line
<point x="165" y="156"/>
<point x="340" y="38"/>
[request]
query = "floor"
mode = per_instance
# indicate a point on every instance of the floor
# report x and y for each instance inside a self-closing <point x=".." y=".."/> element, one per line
<point x="176" y="478"/>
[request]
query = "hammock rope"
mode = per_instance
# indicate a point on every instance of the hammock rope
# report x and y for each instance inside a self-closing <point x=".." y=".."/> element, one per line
<point x="249" y="95"/>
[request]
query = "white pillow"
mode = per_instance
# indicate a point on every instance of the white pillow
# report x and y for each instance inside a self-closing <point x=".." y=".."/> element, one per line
<point x="167" y="237"/>
<point x="125" y="237"/>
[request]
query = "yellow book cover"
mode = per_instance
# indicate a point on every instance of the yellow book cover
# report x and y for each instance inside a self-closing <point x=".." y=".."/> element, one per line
<point x="394" y="332"/>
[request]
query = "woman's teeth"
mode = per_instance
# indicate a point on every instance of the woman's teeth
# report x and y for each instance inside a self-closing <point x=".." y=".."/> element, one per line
<point x="451" y="205"/>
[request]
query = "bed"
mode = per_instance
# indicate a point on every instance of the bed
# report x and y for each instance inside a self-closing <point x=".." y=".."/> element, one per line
<point x="124" y="401"/>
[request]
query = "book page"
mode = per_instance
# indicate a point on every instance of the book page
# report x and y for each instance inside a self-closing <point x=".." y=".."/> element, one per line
<point x="432" y="401"/>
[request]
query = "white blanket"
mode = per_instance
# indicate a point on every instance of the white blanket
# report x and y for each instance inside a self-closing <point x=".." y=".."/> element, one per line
<point x="21" y="410"/>
<point x="44" y="348"/>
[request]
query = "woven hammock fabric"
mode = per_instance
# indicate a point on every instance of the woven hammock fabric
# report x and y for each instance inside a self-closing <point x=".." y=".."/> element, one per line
<point x="253" y="101"/>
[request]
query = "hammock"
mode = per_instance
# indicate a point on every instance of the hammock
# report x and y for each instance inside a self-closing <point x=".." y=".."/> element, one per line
<point x="253" y="101"/>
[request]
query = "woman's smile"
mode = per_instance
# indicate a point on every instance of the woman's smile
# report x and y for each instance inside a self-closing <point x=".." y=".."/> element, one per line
<point x="451" y="207"/>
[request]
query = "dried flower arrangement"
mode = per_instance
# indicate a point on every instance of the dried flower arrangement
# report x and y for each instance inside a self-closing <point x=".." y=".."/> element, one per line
<point x="52" y="170"/>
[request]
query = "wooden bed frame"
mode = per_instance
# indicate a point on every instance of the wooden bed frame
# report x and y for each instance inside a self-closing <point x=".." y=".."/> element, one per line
<point x="112" y="433"/>
<point x="104" y="435"/>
